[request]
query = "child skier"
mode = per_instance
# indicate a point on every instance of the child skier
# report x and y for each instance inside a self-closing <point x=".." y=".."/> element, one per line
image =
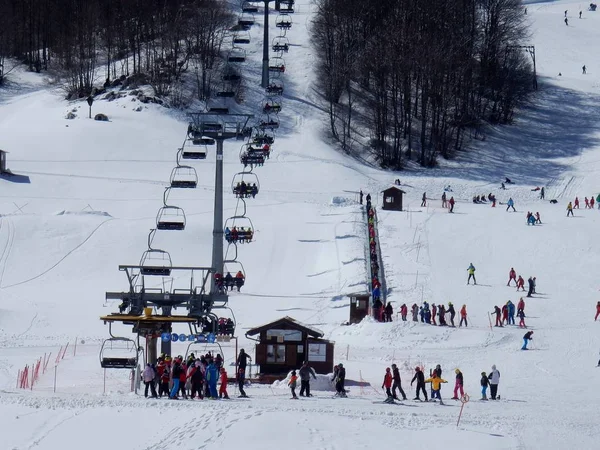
<point x="510" y="204"/>
<point x="436" y="386"/>
<point x="458" y="385"/>
<point x="526" y="339"/>
<point x="463" y="316"/>
<point x="387" y="383"/>
<point x="292" y="384"/>
<point x="498" y="314"/>
<point x="520" y="283"/>
<point x="223" y="387"/>
<point x="570" y="209"/>
<point x="521" y="315"/>
<point x="471" y="270"/>
<point x="485" y="382"/>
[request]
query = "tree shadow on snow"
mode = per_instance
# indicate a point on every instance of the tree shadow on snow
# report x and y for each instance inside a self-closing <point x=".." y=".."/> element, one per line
<point x="558" y="123"/>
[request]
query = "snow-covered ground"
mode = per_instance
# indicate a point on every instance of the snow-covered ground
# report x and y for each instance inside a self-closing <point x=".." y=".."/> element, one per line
<point x="89" y="192"/>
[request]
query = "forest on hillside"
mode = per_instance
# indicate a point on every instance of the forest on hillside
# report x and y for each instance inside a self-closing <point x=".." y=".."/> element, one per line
<point x="422" y="77"/>
<point x="86" y="40"/>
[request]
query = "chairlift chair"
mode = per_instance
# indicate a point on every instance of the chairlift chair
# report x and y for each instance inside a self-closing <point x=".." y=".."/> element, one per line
<point x="241" y="38"/>
<point x="124" y="357"/>
<point x="238" y="230"/>
<point x="252" y="149"/>
<point x="218" y="109"/>
<point x="270" y="124"/>
<point x="231" y="76"/>
<point x="274" y="89"/>
<point x="155" y="261"/>
<point x="237" y="275"/>
<point x="237" y="55"/>
<point x="271" y="106"/>
<point x="263" y="137"/>
<point x="281" y="44"/>
<point x="286" y="7"/>
<point x="246" y="21"/>
<point x="283" y="21"/>
<point x="184" y="177"/>
<point x="170" y="217"/>
<point x="249" y="8"/>
<point x="194" y="149"/>
<point x="224" y="94"/>
<point x="245" y="185"/>
<point x="277" y="65"/>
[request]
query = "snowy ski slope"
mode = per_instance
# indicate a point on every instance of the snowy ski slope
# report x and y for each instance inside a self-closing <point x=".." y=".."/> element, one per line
<point x="93" y="192"/>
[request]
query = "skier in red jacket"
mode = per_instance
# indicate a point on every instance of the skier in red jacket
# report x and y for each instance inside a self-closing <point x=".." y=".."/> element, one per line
<point x="512" y="276"/>
<point x="403" y="311"/>
<point x="520" y="283"/>
<point x="433" y="313"/>
<point x="387" y="383"/>
<point x="223" y="387"/>
<point x="597" y="311"/>
<point x="521" y="305"/>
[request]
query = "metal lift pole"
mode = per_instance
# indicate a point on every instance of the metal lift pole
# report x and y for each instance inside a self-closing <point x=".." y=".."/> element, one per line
<point x="217" y="255"/>
<point x="265" y="62"/>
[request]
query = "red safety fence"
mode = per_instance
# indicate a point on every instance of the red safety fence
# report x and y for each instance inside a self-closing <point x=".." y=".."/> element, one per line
<point x="30" y="374"/>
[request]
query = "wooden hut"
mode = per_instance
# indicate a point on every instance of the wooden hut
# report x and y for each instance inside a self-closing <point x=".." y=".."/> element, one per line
<point x="392" y="199"/>
<point x="285" y="344"/>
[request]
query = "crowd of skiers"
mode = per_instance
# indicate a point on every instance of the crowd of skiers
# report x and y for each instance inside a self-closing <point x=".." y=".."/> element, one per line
<point x="194" y="377"/>
<point x="393" y="382"/>
<point x="373" y="257"/>
<point x="435" y="315"/>
<point x="506" y="314"/>
<point x="589" y="204"/>
<point x="520" y="282"/>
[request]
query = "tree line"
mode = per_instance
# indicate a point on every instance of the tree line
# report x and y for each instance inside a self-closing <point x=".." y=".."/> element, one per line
<point x="423" y="77"/>
<point x="91" y="40"/>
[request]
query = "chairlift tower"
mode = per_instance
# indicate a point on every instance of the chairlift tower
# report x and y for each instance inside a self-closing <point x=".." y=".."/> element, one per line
<point x="219" y="127"/>
<point x="265" y="60"/>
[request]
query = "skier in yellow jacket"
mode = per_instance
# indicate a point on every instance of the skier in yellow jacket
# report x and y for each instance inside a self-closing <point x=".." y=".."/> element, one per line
<point x="436" y="385"/>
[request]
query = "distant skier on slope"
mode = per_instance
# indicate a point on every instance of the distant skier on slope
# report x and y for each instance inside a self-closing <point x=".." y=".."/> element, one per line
<point x="520" y="283"/>
<point x="339" y="376"/>
<point x="458" y="385"/>
<point x="292" y="384"/>
<point x="436" y="386"/>
<point x="451" y="203"/>
<point x="471" y="270"/>
<point x="485" y="382"/>
<point x="510" y="204"/>
<point x="452" y="313"/>
<point x="494" y="378"/>
<point x="597" y="311"/>
<point x="463" y="316"/>
<point x="570" y="209"/>
<point x="397" y="383"/>
<point x="497" y="312"/>
<point x="576" y="203"/>
<point x="444" y="202"/>
<point x="424" y="199"/>
<point x="511" y="313"/>
<point x="415" y="312"/>
<point x="403" y="312"/>
<point x="387" y="383"/>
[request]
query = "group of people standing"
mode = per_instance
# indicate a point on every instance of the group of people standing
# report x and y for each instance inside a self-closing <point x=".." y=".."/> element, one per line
<point x="506" y="314"/>
<point x="589" y="204"/>
<point x="430" y="314"/>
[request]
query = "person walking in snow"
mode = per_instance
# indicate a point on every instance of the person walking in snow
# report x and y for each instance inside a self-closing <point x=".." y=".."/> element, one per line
<point x="241" y="378"/>
<point x="485" y="382"/>
<point x="458" y="385"/>
<point x="510" y="204"/>
<point x="592" y="202"/>
<point x="512" y="276"/>
<point x="521" y="316"/>
<point x="149" y="375"/>
<point x="580" y="18"/>
<point x="531" y="286"/>
<point x="528" y="337"/>
<point x="387" y="383"/>
<point x="305" y="373"/>
<point x="360" y="194"/>
<point x="415" y="312"/>
<point x="397" y="383"/>
<point x="597" y="311"/>
<point x="452" y="313"/>
<point x="463" y="316"/>
<point x="471" y="270"/>
<point x="436" y="386"/>
<point x="497" y="312"/>
<point x="542" y="193"/>
<point x="505" y="314"/>
<point x="451" y="203"/>
<point x="520" y="283"/>
<point x="570" y="209"/>
<point x="576" y="203"/>
<point x="420" y="378"/>
<point x="388" y="312"/>
<point x="424" y="199"/>
<point x="566" y="21"/>
<point x="292" y="384"/>
<point x="223" y="387"/>
<point x="494" y="378"/>
<point x="583" y="68"/>
<point x="538" y="219"/>
<point x="511" y="313"/>
<point x="444" y="202"/>
<point x="339" y="376"/>
<point x="433" y="314"/>
<point x="442" y="315"/>
<point x="566" y="12"/>
<point x="521" y="305"/>
<point x="587" y="203"/>
<point x="403" y="312"/>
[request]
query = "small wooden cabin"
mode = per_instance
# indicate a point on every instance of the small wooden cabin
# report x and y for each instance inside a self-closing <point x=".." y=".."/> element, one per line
<point x="359" y="306"/>
<point x="392" y="199"/>
<point x="285" y="344"/>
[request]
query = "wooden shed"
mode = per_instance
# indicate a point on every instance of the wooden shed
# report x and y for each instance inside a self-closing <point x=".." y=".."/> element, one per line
<point x="392" y="199"/>
<point x="285" y="344"/>
<point x="359" y="306"/>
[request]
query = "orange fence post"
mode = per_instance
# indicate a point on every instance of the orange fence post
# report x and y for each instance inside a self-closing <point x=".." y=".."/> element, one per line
<point x="464" y="400"/>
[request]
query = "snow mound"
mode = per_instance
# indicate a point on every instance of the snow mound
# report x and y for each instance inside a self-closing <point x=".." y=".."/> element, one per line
<point x="65" y="212"/>
<point x="341" y="201"/>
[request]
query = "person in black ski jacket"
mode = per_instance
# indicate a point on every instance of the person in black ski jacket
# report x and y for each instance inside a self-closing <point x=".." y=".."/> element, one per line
<point x="243" y="358"/>
<point x="339" y="376"/>
<point x="397" y="383"/>
<point x="452" y="314"/>
<point x="420" y="378"/>
<point x="305" y="373"/>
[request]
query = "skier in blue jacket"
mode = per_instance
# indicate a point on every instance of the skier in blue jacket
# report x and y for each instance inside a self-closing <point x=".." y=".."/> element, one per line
<point x="511" y="313"/>
<point x="511" y="204"/>
<point x="212" y="376"/>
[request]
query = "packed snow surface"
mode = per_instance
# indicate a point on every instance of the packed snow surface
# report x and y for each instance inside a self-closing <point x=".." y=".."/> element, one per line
<point x="86" y="193"/>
